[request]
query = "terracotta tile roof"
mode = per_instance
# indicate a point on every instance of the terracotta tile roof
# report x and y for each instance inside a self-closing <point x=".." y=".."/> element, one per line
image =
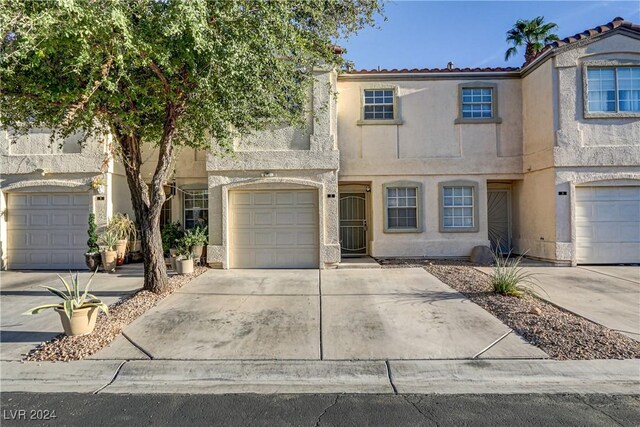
<point x="434" y="70"/>
<point x="615" y="23"/>
<point x="587" y="34"/>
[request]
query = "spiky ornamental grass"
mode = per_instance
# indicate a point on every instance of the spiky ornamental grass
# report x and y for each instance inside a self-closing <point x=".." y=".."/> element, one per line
<point x="509" y="277"/>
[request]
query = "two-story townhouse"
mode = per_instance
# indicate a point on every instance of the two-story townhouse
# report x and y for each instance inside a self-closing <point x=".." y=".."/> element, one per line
<point x="544" y="160"/>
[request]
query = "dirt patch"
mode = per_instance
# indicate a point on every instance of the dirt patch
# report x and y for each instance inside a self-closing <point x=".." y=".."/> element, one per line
<point x="63" y="348"/>
<point x="560" y="334"/>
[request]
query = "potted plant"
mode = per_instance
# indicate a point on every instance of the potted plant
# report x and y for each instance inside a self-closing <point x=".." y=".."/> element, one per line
<point x="97" y="184"/>
<point x="78" y="310"/>
<point x="171" y="234"/>
<point x="197" y="239"/>
<point x="108" y="251"/>
<point x="122" y="227"/>
<point x="92" y="257"/>
<point x="184" y="259"/>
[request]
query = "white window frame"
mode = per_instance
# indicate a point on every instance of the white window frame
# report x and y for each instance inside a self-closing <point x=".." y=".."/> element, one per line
<point x="474" y="206"/>
<point x="417" y="186"/>
<point x="615" y="64"/>
<point x="189" y="192"/>
<point x="392" y="121"/>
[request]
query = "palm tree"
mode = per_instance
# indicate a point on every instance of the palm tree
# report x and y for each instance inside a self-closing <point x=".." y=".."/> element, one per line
<point x="534" y="34"/>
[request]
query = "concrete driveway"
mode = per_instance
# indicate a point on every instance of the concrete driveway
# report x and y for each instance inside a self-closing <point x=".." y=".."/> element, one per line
<point x="20" y="291"/>
<point x="317" y="315"/>
<point x="608" y="295"/>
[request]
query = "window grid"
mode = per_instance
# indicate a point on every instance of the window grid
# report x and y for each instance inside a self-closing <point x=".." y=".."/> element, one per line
<point x="402" y="208"/>
<point x="613" y="89"/>
<point x="477" y="103"/>
<point x="378" y="104"/>
<point x="196" y="208"/>
<point x="165" y="213"/>
<point x="458" y="207"/>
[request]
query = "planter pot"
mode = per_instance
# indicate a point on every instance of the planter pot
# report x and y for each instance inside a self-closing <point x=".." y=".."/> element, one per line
<point x="173" y="262"/>
<point x="121" y="249"/>
<point x="196" y="251"/>
<point x="93" y="260"/>
<point x="135" y="246"/>
<point x="184" y="266"/>
<point x="109" y="260"/>
<point x="82" y="322"/>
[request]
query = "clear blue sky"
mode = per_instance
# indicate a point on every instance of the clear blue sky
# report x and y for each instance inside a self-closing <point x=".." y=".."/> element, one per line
<point x="428" y="34"/>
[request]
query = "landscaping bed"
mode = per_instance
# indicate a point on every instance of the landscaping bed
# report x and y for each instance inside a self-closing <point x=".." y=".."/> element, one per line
<point x="66" y="348"/>
<point x="559" y="333"/>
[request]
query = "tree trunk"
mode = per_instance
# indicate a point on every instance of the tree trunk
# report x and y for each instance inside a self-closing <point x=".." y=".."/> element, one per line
<point x="148" y="218"/>
<point x="529" y="53"/>
<point x="147" y="200"/>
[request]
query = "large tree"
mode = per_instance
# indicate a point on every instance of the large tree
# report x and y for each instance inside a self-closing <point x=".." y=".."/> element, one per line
<point x="534" y="35"/>
<point x="165" y="73"/>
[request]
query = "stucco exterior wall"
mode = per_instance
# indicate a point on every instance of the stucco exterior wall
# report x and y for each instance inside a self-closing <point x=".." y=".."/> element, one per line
<point x="428" y="141"/>
<point x="287" y="158"/>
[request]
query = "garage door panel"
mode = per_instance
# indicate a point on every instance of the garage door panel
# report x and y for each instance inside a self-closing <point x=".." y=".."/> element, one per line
<point x="47" y="231"/>
<point x="607" y="225"/>
<point x="277" y="229"/>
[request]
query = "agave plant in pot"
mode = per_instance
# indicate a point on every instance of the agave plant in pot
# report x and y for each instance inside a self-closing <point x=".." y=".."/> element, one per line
<point x="122" y="227"/>
<point x="92" y="257"/>
<point x="78" y="310"/>
<point x="108" y="251"/>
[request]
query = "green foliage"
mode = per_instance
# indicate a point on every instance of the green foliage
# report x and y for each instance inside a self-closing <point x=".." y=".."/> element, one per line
<point x="73" y="298"/>
<point x="533" y="34"/>
<point x="109" y="239"/>
<point x="92" y="243"/>
<point x="171" y="233"/>
<point x="221" y="67"/>
<point x="509" y="277"/>
<point x="122" y="226"/>
<point x="197" y="236"/>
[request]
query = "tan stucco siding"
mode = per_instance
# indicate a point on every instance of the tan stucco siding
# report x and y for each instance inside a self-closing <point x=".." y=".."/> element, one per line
<point x="538" y="117"/>
<point x="428" y="141"/>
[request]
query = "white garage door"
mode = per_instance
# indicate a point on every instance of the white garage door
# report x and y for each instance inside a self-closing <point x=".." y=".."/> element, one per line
<point x="607" y="225"/>
<point x="273" y="229"/>
<point x="47" y="231"/>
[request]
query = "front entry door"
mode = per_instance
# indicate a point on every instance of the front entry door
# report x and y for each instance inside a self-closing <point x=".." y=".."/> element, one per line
<point x="499" y="219"/>
<point x="353" y="223"/>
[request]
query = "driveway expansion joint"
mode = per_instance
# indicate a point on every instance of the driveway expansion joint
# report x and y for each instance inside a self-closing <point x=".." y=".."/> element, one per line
<point x="139" y="347"/>
<point x="487" y="348"/>
<point x="393" y="386"/>
<point x="115" y="375"/>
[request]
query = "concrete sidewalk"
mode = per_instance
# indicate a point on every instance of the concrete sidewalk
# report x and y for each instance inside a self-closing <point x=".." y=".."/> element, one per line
<point x="379" y="377"/>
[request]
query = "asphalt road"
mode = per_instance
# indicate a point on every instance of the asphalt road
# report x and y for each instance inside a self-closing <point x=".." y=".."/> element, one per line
<point x="319" y="410"/>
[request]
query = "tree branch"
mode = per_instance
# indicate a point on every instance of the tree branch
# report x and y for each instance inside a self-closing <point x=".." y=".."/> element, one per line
<point x="104" y="72"/>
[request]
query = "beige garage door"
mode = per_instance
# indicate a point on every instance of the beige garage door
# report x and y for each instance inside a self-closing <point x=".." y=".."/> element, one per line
<point x="273" y="229"/>
<point x="607" y="225"/>
<point x="47" y="231"/>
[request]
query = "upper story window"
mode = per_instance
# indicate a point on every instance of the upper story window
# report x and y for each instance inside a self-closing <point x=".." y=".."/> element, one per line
<point x="458" y="206"/>
<point x="402" y="207"/>
<point x="477" y="103"/>
<point x="613" y="89"/>
<point x="379" y="106"/>
<point x="196" y="208"/>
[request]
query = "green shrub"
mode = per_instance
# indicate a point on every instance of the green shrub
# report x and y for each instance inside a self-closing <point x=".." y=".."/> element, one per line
<point x="92" y="243"/>
<point x="171" y="233"/>
<point x="509" y="277"/>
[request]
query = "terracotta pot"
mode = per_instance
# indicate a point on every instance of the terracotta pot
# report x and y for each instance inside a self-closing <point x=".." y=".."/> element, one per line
<point x="184" y="266"/>
<point x="196" y="251"/>
<point x="82" y="322"/>
<point x="121" y="250"/>
<point x="109" y="260"/>
<point x="93" y="260"/>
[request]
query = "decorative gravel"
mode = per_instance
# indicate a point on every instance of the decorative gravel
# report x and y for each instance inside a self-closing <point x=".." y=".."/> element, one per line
<point x="559" y="333"/>
<point x="64" y="348"/>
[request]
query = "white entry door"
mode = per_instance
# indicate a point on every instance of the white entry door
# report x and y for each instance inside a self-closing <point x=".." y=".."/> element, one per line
<point x="47" y="231"/>
<point x="273" y="229"/>
<point x="607" y="225"/>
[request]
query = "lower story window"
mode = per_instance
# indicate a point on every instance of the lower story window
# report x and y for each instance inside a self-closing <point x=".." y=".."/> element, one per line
<point x="196" y="208"/>
<point x="402" y="208"/>
<point x="458" y="206"/>
<point x="165" y="213"/>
